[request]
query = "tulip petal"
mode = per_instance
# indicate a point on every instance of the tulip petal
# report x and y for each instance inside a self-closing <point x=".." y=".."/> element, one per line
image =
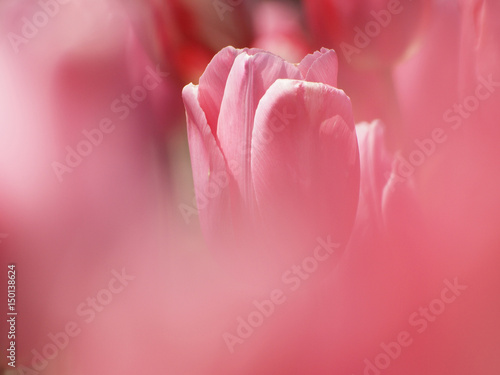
<point x="321" y="66"/>
<point x="375" y="164"/>
<point x="369" y="232"/>
<point x="210" y="172"/>
<point x="305" y="162"/>
<point x="213" y="84"/>
<point x="307" y="61"/>
<point x="248" y="80"/>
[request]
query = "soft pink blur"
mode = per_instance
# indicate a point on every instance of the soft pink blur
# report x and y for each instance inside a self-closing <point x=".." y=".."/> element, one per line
<point x="279" y="28"/>
<point x="368" y="33"/>
<point x="69" y="229"/>
<point x="233" y="220"/>
<point x="371" y="37"/>
<point x="186" y="34"/>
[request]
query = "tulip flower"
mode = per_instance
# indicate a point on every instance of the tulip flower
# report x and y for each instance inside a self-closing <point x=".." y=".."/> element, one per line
<point x="274" y="154"/>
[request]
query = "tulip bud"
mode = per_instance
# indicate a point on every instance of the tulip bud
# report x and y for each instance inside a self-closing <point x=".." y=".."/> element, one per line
<point x="290" y="133"/>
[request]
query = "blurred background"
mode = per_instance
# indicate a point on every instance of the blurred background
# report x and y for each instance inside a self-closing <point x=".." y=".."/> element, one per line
<point x="96" y="182"/>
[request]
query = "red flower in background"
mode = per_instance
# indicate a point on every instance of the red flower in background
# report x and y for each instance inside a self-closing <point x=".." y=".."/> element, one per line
<point x="187" y="34"/>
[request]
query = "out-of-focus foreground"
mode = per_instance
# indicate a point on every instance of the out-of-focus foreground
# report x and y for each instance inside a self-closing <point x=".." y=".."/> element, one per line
<point x="324" y="201"/>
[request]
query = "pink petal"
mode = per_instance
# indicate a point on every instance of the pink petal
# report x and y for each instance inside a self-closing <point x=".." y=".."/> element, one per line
<point x="305" y="162"/>
<point x="248" y="80"/>
<point x="321" y="66"/>
<point x="375" y="164"/>
<point x="210" y="172"/>
<point x="213" y="84"/>
<point x="307" y="61"/>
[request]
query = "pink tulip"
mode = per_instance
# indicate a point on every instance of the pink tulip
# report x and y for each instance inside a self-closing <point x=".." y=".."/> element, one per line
<point x="375" y="171"/>
<point x="274" y="154"/>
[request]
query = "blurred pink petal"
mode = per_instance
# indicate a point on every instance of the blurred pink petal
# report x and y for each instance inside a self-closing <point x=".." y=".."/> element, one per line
<point x="69" y="229"/>
<point x="367" y="33"/>
<point x="375" y="165"/>
<point x="437" y="60"/>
